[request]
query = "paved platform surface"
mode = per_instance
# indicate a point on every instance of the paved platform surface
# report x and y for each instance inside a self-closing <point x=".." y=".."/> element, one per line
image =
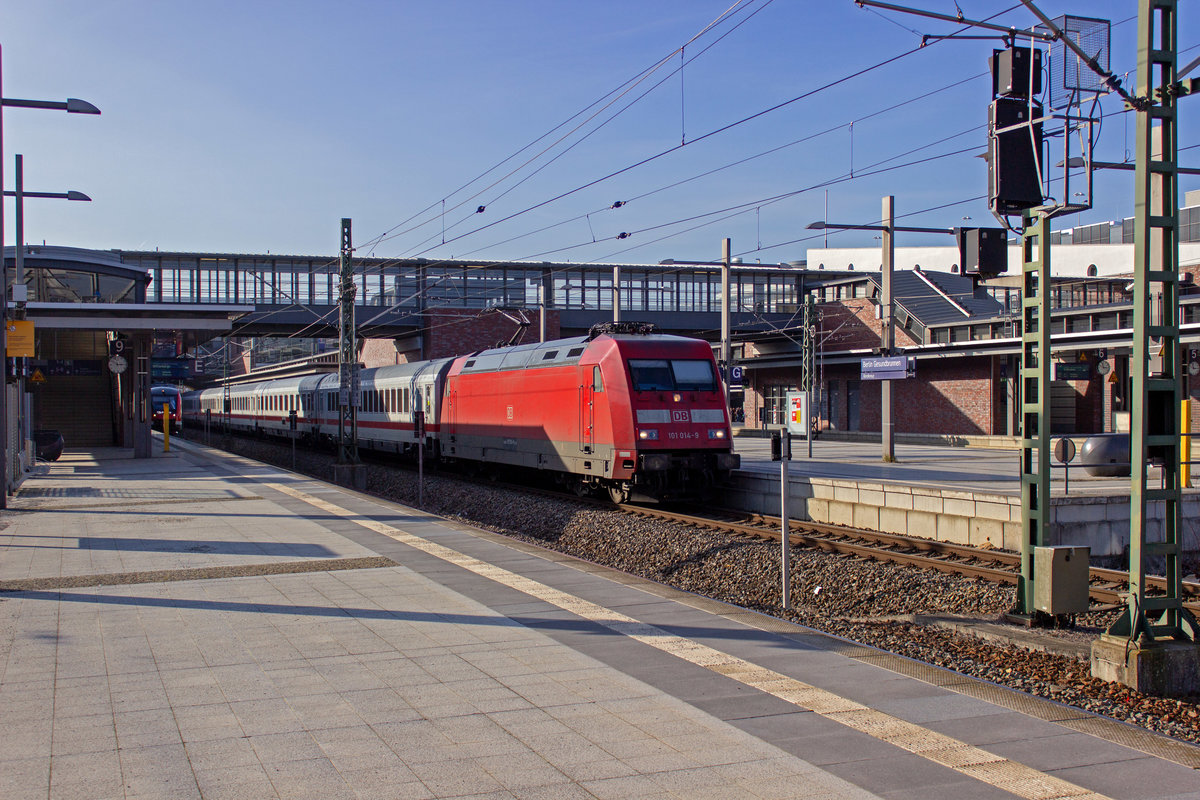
<point x="197" y="625"/>
<point x="993" y="470"/>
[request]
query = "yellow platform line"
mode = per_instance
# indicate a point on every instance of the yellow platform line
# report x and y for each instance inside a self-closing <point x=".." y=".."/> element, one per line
<point x="1010" y="776"/>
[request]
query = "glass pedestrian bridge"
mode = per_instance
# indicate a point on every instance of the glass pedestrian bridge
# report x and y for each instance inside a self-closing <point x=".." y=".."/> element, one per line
<point x="291" y="293"/>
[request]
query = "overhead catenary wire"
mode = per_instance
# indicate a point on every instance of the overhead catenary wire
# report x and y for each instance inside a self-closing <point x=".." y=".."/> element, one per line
<point x="619" y="91"/>
<point x="584" y="137"/>
<point x="710" y="133"/>
<point x="733" y="211"/>
<point x="703" y="137"/>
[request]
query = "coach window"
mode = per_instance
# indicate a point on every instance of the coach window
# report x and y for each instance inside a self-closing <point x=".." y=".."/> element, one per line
<point x="597" y="380"/>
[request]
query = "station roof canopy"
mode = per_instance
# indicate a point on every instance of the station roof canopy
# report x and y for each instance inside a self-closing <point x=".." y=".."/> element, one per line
<point x="80" y="289"/>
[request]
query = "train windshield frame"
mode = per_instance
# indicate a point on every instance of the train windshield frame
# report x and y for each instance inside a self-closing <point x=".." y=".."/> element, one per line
<point x="672" y="375"/>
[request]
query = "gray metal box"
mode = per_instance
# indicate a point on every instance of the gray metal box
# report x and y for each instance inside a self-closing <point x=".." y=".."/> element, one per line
<point x="1060" y="579"/>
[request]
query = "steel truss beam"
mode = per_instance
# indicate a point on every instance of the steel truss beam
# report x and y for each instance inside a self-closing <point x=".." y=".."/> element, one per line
<point x="1035" y="399"/>
<point x="1155" y="366"/>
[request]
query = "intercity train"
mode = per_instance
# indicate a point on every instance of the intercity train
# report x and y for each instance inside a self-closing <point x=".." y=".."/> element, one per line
<point x="625" y="411"/>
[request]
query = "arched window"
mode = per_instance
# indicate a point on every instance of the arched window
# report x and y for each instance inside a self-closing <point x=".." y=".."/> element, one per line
<point x="1092" y="271"/>
<point x="954" y="268"/>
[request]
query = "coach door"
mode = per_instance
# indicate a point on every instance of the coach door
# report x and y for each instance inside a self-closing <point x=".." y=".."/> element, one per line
<point x="587" y="410"/>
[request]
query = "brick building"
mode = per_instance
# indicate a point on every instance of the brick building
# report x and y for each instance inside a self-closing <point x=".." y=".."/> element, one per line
<point x="966" y="349"/>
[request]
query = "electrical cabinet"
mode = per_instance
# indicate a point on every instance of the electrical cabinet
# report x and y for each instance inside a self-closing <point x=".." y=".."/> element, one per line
<point x="1060" y="579"/>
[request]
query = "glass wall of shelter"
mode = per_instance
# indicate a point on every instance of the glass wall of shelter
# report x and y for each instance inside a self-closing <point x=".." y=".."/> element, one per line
<point x="55" y="285"/>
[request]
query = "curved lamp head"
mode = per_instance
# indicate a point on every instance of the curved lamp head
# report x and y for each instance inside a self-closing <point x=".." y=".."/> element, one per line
<point x="74" y="195"/>
<point x="77" y="106"/>
<point x="819" y="225"/>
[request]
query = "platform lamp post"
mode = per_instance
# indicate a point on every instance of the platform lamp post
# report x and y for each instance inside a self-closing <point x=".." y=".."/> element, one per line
<point x="72" y="106"/>
<point x="888" y="339"/>
<point x="19" y="262"/>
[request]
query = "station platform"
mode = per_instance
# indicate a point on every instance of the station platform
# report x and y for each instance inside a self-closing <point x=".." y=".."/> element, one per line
<point x="965" y="495"/>
<point x="197" y="625"/>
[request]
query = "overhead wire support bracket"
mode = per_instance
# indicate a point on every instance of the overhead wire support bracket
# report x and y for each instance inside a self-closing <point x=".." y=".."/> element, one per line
<point x="929" y="37"/>
<point x="960" y="19"/>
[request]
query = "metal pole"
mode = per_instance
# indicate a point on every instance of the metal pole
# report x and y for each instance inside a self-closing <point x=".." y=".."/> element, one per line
<point x="808" y="372"/>
<point x="3" y="323"/>
<point x="19" y="254"/>
<point x="1035" y="400"/>
<point x="616" y="293"/>
<point x="726" y="347"/>
<point x="784" y="527"/>
<point x="541" y="312"/>
<point x="19" y="280"/>
<point x="347" y="355"/>
<point x="1156" y="386"/>
<point x="887" y="400"/>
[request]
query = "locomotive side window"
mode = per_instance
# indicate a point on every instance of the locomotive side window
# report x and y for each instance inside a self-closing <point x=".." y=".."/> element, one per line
<point x="694" y="375"/>
<point x="597" y="380"/>
<point x="651" y="375"/>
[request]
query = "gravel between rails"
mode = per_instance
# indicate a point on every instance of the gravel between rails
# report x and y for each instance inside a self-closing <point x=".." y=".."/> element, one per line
<point x="853" y="598"/>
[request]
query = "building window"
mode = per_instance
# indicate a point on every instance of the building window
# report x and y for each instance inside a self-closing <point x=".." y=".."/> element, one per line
<point x="775" y="403"/>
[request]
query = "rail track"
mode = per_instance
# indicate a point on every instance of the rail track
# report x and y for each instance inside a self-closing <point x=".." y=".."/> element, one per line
<point x="1106" y="586"/>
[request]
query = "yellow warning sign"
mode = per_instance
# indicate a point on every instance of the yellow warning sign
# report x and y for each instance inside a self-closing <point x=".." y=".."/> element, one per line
<point x="1112" y="377"/>
<point x="20" y="338"/>
<point x="37" y="377"/>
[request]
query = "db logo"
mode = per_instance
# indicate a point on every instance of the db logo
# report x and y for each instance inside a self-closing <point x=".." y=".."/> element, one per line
<point x="679" y="416"/>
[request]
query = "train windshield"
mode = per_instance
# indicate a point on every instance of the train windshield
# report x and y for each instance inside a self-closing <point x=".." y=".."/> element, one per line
<point x="158" y="397"/>
<point x="661" y="375"/>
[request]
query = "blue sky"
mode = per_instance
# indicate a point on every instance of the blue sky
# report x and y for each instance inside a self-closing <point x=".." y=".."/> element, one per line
<point x="255" y="126"/>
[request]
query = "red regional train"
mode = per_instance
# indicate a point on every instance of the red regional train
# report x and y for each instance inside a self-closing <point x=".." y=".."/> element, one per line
<point x="172" y="398"/>
<point x="624" y="411"/>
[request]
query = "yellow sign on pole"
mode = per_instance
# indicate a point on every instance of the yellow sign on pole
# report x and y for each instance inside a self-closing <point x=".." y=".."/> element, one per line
<point x="20" y="338"/>
<point x="37" y="377"/>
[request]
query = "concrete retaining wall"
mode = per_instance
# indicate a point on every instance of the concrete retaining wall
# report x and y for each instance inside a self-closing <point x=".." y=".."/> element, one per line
<point x="976" y="518"/>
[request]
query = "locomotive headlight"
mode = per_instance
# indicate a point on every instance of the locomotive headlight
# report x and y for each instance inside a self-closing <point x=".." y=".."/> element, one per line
<point x="648" y="434"/>
<point x="716" y="433"/>
<point x="677" y="397"/>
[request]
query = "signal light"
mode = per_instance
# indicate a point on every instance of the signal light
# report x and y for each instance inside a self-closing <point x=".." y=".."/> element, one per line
<point x="982" y="251"/>
<point x="1014" y="156"/>
<point x="1011" y="72"/>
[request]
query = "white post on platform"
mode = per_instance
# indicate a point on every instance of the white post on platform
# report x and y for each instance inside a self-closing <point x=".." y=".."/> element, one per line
<point x="888" y="402"/>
